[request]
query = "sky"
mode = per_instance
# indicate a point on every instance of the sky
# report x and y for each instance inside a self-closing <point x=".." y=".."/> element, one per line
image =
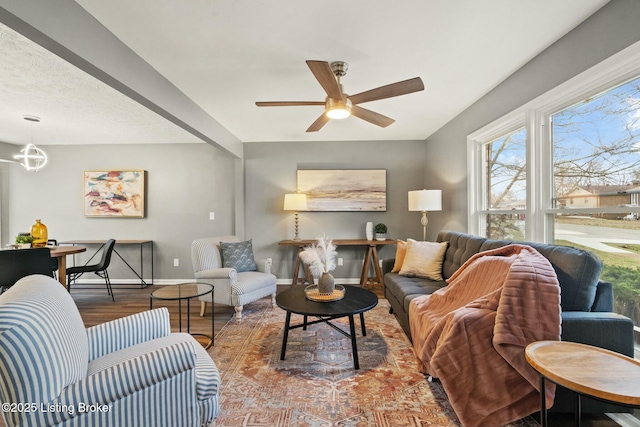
<point x="582" y="135"/>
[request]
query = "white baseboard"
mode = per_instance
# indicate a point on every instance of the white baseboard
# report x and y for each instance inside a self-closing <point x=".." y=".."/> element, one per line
<point x="164" y="282"/>
<point x="133" y="282"/>
<point x="339" y="280"/>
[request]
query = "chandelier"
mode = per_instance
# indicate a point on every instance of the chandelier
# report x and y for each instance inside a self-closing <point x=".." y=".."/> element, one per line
<point x="31" y="157"/>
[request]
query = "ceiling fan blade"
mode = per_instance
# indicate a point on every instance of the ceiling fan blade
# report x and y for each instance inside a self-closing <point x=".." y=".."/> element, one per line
<point x="323" y="73"/>
<point x="371" y="116"/>
<point x="394" y="89"/>
<point x="317" y="125"/>
<point x="288" y="103"/>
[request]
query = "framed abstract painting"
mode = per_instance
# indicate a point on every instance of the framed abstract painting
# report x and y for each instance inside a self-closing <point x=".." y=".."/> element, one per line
<point x="344" y="189"/>
<point x="114" y="194"/>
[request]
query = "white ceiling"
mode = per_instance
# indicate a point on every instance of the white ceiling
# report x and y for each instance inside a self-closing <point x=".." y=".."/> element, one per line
<point x="225" y="55"/>
<point x="74" y="107"/>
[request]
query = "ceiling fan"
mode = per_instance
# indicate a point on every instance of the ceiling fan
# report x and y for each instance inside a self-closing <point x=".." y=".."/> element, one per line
<point x="339" y="105"/>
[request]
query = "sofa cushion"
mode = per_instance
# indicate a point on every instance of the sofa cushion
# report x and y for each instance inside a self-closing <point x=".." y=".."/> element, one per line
<point x="252" y="285"/>
<point x="238" y="255"/>
<point x="461" y="248"/>
<point x="405" y="288"/>
<point x="578" y="272"/>
<point x="423" y="259"/>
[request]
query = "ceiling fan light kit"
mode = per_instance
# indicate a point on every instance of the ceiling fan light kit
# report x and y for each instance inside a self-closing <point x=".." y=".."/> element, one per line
<point x="339" y="105"/>
<point x="338" y="108"/>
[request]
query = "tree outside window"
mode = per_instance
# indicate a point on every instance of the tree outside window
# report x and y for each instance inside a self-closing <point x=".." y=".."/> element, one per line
<point x="506" y="188"/>
<point x="596" y="158"/>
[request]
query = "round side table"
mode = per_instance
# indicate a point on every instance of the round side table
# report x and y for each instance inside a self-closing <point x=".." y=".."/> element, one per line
<point x="185" y="291"/>
<point x="586" y="370"/>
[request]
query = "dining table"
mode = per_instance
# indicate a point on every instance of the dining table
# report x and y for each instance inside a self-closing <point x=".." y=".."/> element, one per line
<point x="61" y="252"/>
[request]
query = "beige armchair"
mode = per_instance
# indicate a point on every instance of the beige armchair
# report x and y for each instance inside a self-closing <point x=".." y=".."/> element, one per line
<point x="231" y="287"/>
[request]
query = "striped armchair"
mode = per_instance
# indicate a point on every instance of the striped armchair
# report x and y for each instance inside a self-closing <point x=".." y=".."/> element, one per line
<point x="129" y="372"/>
<point x="230" y="286"/>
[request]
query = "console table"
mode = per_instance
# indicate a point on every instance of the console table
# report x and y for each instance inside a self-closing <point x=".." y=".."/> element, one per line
<point x="370" y="256"/>
<point x="101" y="243"/>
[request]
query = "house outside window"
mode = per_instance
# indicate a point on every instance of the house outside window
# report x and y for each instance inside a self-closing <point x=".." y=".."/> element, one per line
<point x="576" y="169"/>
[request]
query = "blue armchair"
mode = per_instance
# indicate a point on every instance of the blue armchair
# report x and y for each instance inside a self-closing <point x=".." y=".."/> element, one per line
<point x="129" y="372"/>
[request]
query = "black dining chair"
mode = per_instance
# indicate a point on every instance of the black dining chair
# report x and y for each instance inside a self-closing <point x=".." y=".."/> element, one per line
<point x="100" y="269"/>
<point x="18" y="263"/>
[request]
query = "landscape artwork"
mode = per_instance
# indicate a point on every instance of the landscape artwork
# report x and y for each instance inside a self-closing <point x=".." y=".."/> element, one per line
<point x="339" y="190"/>
<point x="118" y="194"/>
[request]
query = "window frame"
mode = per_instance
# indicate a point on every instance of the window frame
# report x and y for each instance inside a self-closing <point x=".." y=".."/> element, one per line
<point x="477" y="182"/>
<point x="535" y="117"/>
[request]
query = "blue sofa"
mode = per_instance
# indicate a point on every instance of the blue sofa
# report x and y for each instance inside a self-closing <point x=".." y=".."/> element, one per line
<point x="586" y="301"/>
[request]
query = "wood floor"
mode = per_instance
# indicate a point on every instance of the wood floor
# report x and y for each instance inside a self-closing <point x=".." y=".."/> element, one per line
<point x="96" y="307"/>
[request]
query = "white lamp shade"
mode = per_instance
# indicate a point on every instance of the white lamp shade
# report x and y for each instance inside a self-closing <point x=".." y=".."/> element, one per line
<point x="425" y="200"/>
<point x="295" y="202"/>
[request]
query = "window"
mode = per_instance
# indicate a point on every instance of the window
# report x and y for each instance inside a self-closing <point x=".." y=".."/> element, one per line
<point x="568" y="163"/>
<point x="505" y="190"/>
<point x="596" y="155"/>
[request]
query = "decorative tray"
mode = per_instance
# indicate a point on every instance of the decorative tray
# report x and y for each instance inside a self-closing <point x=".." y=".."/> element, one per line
<point x="312" y="293"/>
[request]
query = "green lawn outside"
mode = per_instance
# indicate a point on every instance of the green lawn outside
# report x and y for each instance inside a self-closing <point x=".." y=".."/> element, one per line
<point x="623" y="271"/>
<point x="598" y="222"/>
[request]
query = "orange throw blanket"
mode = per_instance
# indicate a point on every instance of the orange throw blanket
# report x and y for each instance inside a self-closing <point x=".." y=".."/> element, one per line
<point x="472" y="333"/>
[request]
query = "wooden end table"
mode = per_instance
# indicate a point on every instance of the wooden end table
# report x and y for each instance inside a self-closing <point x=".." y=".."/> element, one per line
<point x="590" y="371"/>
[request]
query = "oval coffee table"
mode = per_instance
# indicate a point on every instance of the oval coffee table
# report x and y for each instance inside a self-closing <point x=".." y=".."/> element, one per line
<point x="356" y="301"/>
<point x="586" y="370"/>
<point x="185" y="291"/>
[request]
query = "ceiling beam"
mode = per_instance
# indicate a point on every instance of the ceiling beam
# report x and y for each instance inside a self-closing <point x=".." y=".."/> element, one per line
<point x="64" y="28"/>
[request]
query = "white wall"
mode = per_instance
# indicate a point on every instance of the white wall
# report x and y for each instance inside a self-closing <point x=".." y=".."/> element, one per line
<point x="608" y="31"/>
<point x="270" y="173"/>
<point x="184" y="183"/>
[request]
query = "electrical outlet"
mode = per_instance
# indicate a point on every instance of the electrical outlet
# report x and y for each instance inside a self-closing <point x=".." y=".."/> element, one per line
<point x="340" y="261"/>
<point x="212" y="216"/>
<point x="176" y="262"/>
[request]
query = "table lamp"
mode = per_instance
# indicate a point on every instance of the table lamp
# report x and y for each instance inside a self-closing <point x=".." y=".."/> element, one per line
<point x="425" y="200"/>
<point x="295" y="202"/>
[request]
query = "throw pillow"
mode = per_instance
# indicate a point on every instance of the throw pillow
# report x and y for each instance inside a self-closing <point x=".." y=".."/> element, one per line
<point x="238" y="255"/>
<point x="424" y="259"/>
<point x="400" y="254"/>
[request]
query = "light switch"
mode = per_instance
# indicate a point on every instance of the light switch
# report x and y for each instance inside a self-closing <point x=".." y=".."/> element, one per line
<point x="212" y="215"/>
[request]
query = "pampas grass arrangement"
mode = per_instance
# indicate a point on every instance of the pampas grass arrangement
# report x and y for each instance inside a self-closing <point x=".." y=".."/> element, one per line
<point x="320" y="256"/>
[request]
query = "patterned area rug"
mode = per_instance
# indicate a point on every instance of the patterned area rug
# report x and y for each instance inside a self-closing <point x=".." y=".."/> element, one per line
<point x="316" y="385"/>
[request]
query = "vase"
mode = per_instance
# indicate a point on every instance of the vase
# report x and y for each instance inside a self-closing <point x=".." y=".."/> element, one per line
<point x="326" y="283"/>
<point x="369" y="231"/>
<point x="39" y="234"/>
